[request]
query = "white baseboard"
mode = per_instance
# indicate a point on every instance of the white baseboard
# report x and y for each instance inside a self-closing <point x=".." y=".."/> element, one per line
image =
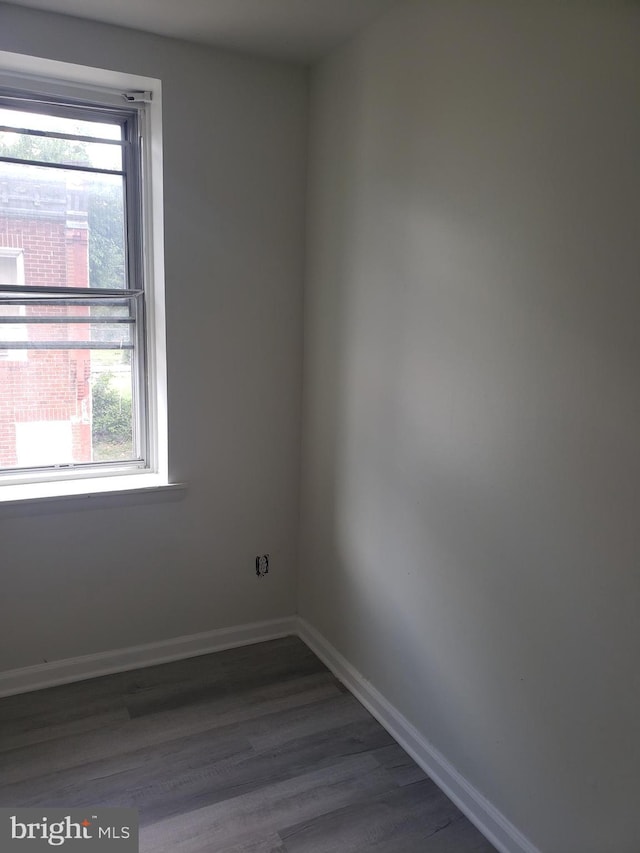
<point x="491" y="823"/>
<point x="104" y="663"/>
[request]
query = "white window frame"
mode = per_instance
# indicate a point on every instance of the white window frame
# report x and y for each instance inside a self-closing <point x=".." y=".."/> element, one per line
<point x="17" y="255"/>
<point x="54" y="79"/>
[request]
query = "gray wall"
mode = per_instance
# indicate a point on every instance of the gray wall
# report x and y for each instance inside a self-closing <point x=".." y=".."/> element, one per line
<point x="234" y="160"/>
<point x="471" y="460"/>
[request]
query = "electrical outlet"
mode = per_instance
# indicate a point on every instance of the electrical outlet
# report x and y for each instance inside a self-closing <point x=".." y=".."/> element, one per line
<point x="262" y="565"/>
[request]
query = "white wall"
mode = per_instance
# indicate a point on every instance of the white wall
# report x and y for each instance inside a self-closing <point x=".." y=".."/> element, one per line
<point x="235" y="148"/>
<point x="471" y="451"/>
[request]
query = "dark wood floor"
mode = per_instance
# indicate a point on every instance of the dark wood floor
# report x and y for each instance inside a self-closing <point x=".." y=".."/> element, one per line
<point x="252" y="750"/>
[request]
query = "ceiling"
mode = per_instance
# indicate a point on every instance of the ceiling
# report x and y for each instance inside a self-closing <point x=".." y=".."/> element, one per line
<point x="300" y="30"/>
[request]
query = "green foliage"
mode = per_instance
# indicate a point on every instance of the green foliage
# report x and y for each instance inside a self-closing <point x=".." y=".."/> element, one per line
<point x="111" y="412"/>
<point x="106" y="237"/>
<point x="44" y="148"/>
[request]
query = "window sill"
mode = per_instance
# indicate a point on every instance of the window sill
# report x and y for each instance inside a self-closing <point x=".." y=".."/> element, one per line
<point x="95" y="492"/>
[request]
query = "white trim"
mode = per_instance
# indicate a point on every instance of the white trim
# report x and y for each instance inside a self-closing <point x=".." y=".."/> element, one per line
<point x="491" y="823"/>
<point x="121" y="660"/>
<point x="89" y="490"/>
<point x="18" y="255"/>
<point x="78" y="80"/>
<point x="150" y="118"/>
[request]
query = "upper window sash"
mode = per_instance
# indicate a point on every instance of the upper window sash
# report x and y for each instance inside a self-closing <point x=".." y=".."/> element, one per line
<point x="101" y="133"/>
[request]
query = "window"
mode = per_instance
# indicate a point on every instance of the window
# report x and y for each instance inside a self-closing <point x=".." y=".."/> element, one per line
<point x="81" y="317"/>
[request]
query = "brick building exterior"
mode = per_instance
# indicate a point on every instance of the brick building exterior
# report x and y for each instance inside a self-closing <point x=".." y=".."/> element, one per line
<point x="45" y="394"/>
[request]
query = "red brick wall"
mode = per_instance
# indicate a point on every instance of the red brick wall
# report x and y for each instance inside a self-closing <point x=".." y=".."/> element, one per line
<point x="49" y="384"/>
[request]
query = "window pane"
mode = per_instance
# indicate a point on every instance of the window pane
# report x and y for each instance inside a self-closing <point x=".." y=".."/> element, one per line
<point x="66" y="406"/>
<point x="27" y="120"/>
<point x="69" y="225"/>
<point x="96" y="155"/>
<point x="10" y="268"/>
<point x="50" y="324"/>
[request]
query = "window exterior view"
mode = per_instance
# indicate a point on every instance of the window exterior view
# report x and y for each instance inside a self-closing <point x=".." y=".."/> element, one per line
<point x="71" y="308"/>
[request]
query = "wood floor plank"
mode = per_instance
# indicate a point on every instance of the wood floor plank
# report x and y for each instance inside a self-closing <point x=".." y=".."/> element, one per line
<point x="402" y="769"/>
<point x="246" y="772"/>
<point x="247" y="817"/>
<point x="15" y="737"/>
<point x="120" y="738"/>
<point x="417" y="811"/>
<point x="114" y="781"/>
